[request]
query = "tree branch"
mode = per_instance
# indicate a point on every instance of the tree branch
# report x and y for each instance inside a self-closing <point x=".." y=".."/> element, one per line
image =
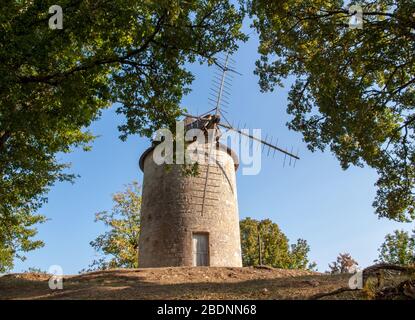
<point x="331" y="293"/>
<point x="3" y="139"/>
<point x="105" y="61"/>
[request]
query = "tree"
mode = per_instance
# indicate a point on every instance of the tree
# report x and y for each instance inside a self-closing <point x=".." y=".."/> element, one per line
<point x="119" y="245"/>
<point x="354" y="89"/>
<point x="54" y="83"/>
<point x="398" y="248"/>
<point x="16" y="237"/>
<point x="275" y="249"/>
<point x="299" y="256"/>
<point x="344" y="264"/>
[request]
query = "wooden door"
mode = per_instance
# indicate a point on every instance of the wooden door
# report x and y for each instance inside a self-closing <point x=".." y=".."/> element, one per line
<point x="200" y="249"/>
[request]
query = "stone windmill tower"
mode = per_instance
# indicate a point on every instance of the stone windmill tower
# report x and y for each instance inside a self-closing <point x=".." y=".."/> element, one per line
<point x="194" y="220"/>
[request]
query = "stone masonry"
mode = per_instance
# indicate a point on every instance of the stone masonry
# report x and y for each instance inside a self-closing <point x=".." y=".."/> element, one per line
<point x="172" y="212"/>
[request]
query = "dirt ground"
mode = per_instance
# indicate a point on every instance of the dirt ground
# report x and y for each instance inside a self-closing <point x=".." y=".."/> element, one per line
<point x="178" y="283"/>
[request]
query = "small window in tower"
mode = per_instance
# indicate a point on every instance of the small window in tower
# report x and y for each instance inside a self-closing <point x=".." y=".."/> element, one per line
<point x="200" y="249"/>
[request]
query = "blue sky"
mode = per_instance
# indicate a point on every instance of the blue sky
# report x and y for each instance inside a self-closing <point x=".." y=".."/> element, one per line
<point x="316" y="200"/>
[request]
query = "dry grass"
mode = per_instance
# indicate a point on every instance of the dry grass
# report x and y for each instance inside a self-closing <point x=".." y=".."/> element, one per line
<point x="179" y="283"/>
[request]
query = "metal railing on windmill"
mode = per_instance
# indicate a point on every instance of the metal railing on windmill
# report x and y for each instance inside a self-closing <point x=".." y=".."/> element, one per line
<point x="215" y="118"/>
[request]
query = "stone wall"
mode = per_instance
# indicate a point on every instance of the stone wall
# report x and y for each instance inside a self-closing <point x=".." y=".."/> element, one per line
<point x="172" y="212"/>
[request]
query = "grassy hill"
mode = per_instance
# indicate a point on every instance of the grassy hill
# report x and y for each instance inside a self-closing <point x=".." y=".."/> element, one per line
<point x="180" y="283"/>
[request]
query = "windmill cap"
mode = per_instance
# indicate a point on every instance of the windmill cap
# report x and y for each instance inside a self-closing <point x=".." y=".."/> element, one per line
<point x="221" y="146"/>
